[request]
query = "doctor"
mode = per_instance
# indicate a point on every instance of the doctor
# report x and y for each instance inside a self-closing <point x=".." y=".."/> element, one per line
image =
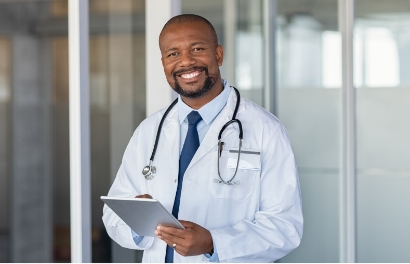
<point x="257" y="218"/>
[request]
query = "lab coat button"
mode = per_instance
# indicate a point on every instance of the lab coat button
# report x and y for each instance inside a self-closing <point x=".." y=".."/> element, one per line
<point x="175" y="180"/>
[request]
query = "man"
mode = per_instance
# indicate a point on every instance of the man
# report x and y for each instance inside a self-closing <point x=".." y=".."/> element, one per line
<point x="258" y="218"/>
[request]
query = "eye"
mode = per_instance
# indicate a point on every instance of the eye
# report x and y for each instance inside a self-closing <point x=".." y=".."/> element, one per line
<point x="173" y="54"/>
<point x="197" y="49"/>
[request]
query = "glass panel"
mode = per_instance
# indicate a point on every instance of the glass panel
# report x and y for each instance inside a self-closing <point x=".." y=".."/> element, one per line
<point x="61" y="149"/>
<point x="382" y="63"/>
<point x="33" y="165"/>
<point x="249" y="59"/>
<point x="309" y="104"/>
<point x="117" y="104"/>
<point x="248" y="52"/>
<point x="213" y="10"/>
<point x="5" y="70"/>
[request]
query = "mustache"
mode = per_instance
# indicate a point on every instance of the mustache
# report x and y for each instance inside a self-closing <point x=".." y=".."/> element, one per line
<point x="193" y="68"/>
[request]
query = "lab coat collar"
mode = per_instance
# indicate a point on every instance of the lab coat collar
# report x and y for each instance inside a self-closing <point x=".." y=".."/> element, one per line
<point x="209" y="111"/>
<point x="211" y="138"/>
<point x="171" y="128"/>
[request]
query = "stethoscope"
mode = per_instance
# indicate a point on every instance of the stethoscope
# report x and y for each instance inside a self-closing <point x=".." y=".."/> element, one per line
<point x="149" y="171"/>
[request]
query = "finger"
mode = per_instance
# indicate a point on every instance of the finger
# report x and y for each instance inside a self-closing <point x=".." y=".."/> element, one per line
<point x="168" y="230"/>
<point x="170" y="239"/>
<point x="144" y="196"/>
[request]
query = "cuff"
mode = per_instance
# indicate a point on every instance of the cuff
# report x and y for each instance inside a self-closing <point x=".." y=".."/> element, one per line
<point x="214" y="257"/>
<point x="136" y="237"/>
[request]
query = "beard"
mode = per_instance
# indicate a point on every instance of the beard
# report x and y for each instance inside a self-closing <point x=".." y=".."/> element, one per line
<point x="206" y="87"/>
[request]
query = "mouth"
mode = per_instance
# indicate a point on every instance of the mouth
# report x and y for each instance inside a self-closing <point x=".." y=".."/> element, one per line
<point x="190" y="75"/>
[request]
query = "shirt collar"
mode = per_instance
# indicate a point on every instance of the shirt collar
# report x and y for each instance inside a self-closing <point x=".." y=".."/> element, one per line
<point x="209" y="111"/>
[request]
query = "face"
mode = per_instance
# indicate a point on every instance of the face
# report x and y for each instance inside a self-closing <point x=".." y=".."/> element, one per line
<point x="190" y="58"/>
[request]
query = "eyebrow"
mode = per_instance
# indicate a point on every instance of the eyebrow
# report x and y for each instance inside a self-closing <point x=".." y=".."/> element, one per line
<point x="170" y="49"/>
<point x="192" y="44"/>
<point x="198" y="42"/>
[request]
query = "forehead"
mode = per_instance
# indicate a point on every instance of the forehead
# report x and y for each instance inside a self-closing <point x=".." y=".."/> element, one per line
<point x="185" y="33"/>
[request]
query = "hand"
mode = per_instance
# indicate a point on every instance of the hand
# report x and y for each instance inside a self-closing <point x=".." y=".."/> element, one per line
<point x="144" y="196"/>
<point x="194" y="240"/>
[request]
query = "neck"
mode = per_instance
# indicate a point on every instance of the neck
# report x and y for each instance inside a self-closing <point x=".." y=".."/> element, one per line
<point x="197" y="103"/>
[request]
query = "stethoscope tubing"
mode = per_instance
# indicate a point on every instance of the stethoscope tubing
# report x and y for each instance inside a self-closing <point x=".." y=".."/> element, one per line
<point x="160" y="128"/>
<point x="149" y="171"/>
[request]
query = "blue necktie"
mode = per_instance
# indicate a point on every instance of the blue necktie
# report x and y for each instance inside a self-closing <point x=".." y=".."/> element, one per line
<point x="191" y="144"/>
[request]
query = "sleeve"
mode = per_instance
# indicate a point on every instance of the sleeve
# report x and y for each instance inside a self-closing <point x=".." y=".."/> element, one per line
<point x="278" y="225"/>
<point x="117" y="229"/>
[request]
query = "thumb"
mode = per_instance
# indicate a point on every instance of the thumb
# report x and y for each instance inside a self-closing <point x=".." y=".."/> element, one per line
<point x="187" y="224"/>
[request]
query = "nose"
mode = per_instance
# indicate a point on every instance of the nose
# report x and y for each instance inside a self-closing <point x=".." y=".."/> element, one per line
<point x="187" y="59"/>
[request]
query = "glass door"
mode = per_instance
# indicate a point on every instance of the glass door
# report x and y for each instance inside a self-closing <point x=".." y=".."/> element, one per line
<point x="382" y="81"/>
<point x="309" y="80"/>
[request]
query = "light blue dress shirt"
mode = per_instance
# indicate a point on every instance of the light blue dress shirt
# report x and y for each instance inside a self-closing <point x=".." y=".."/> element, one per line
<point x="208" y="113"/>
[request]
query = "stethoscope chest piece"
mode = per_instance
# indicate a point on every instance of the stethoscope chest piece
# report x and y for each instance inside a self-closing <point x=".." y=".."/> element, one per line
<point x="149" y="171"/>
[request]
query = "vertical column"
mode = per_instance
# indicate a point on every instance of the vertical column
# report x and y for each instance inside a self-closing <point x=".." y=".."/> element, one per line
<point x="348" y="175"/>
<point x="230" y="27"/>
<point x="158" y="12"/>
<point x="269" y="32"/>
<point x="5" y="136"/>
<point x="31" y="203"/>
<point x="79" y="112"/>
<point x="121" y="98"/>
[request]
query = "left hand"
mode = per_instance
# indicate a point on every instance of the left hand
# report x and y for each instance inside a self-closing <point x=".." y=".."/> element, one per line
<point x="194" y="240"/>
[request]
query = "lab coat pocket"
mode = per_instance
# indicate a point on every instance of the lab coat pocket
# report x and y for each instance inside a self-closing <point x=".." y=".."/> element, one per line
<point x="242" y="185"/>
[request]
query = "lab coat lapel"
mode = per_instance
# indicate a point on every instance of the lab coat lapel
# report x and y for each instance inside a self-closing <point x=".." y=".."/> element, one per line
<point x="211" y="138"/>
<point x="170" y="145"/>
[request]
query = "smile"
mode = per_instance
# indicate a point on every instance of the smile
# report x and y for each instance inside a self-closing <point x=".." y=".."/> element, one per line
<point x="190" y="75"/>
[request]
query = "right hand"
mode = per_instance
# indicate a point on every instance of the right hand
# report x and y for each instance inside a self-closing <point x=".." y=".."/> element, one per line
<point x="144" y="196"/>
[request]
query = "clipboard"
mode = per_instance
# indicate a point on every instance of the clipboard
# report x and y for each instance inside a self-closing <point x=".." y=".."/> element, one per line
<point x="140" y="214"/>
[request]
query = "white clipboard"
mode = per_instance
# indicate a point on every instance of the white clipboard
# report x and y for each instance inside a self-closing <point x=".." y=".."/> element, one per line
<point x="141" y="214"/>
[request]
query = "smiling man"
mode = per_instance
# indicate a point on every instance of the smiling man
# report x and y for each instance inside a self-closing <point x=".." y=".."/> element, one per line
<point x="239" y="200"/>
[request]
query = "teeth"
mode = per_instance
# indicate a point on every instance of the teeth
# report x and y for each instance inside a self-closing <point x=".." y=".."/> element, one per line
<point x="190" y="75"/>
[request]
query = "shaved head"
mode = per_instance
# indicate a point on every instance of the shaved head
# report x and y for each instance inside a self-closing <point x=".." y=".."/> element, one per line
<point x="191" y="18"/>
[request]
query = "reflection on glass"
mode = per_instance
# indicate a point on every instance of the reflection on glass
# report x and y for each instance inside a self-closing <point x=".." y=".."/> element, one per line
<point x="117" y="104"/>
<point x="248" y="48"/>
<point x="249" y="59"/>
<point x="29" y="159"/>
<point x="376" y="56"/>
<point x="382" y="55"/>
<point x="5" y="67"/>
<point x="331" y="59"/>
<point x="309" y="61"/>
<point x="381" y="44"/>
<point x="34" y="138"/>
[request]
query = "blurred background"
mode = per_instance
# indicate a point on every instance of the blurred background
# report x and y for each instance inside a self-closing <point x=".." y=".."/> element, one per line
<point x="305" y="92"/>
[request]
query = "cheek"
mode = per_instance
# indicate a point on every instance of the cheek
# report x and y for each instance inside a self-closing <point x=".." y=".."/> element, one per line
<point x="168" y="71"/>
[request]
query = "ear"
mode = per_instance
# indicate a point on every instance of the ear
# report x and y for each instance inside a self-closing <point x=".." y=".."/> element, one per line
<point x="219" y="55"/>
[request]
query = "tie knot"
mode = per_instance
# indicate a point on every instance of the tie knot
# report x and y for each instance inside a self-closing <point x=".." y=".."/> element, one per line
<point x="194" y="118"/>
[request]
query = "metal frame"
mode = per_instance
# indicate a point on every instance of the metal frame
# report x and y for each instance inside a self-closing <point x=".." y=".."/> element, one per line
<point x="230" y="26"/>
<point x="269" y="28"/>
<point x="348" y="175"/>
<point x="80" y="191"/>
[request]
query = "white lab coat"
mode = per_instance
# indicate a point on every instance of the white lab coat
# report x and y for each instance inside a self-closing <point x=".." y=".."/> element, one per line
<point x="259" y="220"/>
